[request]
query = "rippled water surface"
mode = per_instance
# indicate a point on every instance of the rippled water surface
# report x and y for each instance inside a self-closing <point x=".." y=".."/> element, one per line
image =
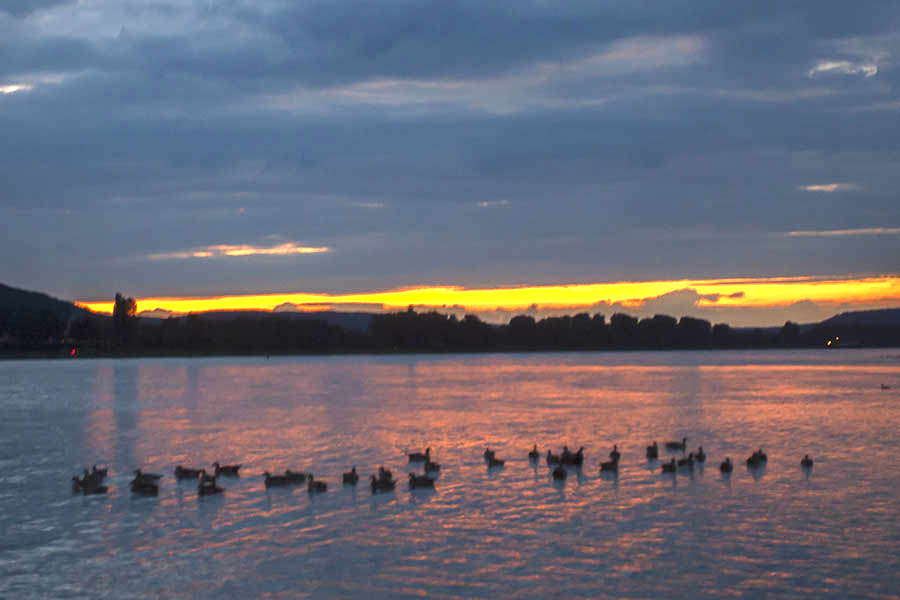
<point x="510" y="532"/>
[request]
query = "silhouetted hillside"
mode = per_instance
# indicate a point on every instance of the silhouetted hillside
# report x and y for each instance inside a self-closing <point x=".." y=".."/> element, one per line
<point x="885" y="316"/>
<point x="32" y="317"/>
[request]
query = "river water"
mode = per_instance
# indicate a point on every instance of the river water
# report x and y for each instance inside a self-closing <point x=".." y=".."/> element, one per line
<point x="509" y="532"/>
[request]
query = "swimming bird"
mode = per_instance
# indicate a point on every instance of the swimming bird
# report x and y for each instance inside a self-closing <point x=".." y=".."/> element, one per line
<point x="534" y="454"/>
<point x="351" y="478"/>
<point x="206" y="484"/>
<point x="687" y="462"/>
<point x="488" y="454"/>
<point x="186" y="473"/>
<point x="569" y="458"/>
<point x="94" y="489"/>
<point x="669" y="467"/>
<point x="145" y="486"/>
<point x="314" y="487"/>
<point x="432" y="467"/>
<point x="700" y="456"/>
<point x="559" y="473"/>
<point x="757" y="459"/>
<point x="653" y="451"/>
<point x="552" y="459"/>
<point x="419" y="457"/>
<point x="228" y="470"/>
<point x="99" y="473"/>
<point x="612" y="465"/>
<point x="384" y="474"/>
<point x="682" y="445"/>
<point x="615" y="454"/>
<point x="806" y="462"/>
<point x="493" y="461"/>
<point x="726" y="466"/>
<point x="381" y="485"/>
<point x="420" y="481"/>
<point x="295" y="477"/>
<point x="148" y="477"/>
<point x="276" y="480"/>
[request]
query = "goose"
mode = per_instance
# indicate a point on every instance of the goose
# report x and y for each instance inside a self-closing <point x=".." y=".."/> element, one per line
<point x="432" y="467"/>
<point x="806" y="462"/>
<point x="314" y="487"/>
<point x="552" y="459"/>
<point x="419" y="457"/>
<point x="384" y="474"/>
<point x="700" y="456"/>
<point x="90" y="479"/>
<point x="494" y="462"/>
<point x="381" y="485"/>
<point x="206" y="485"/>
<point x="669" y="467"/>
<point x="612" y="465"/>
<point x="757" y="459"/>
<point x="420" y="481"/>
<point x="276" y="480"/>
<point x="488" y="454"/>
<point x="576" y="459"/>
<point x="559" y="473"/>
<point x="94" y="489"/>
<point x="144" y="486"/>
<point x="726" y="466"/>
<point x="615" y="454"/>
<point x="295" y="476"/>
<point x="228" y="470"/>
<point x="351" y="477"/>
<point x="687" y="462"/>
<point x="534" y="454"/>
<point x="653" y="451"/>
<point x="186" y="473"/>
<point x="150" y="477"/>
<point x="682" y="445"/>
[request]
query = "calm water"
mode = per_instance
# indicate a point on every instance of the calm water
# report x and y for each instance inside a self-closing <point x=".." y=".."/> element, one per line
<point x="510" y="532"/>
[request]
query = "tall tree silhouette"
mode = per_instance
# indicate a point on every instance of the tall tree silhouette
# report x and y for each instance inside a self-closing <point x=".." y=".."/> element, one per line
<point x="124" y="318"/>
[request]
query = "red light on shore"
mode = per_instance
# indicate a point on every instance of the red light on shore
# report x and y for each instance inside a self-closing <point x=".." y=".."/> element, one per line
<point x="73" y="352"/>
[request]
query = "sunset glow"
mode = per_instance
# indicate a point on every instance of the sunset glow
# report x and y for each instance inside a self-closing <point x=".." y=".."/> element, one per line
<point x="754" y="292"/>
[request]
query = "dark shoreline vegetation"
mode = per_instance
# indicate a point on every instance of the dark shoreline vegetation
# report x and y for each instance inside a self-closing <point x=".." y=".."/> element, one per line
<point x="34" y="325"/>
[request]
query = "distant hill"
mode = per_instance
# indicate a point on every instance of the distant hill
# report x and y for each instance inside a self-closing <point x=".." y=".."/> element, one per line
<point x="885" y="316"/>
<point x="34" y="316"/>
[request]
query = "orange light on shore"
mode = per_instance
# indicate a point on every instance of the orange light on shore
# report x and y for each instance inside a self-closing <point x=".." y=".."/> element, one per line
<point x="744" y="292"/>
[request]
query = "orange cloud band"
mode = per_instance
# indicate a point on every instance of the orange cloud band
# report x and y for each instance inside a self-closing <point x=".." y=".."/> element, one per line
<point x="748" y="292"/>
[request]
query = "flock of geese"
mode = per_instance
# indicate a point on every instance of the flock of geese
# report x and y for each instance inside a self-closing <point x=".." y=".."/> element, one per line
<point x="147" y="484"/>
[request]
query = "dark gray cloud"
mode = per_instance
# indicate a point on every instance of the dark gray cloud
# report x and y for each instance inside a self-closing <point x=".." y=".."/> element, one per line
<point x="443" y="142"/>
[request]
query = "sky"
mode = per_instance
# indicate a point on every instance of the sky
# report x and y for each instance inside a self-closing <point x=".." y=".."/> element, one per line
<point x="732" y="161"/>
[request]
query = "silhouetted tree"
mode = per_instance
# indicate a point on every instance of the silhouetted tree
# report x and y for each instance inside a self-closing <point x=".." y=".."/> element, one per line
<point x="623" y="330"/>
<point x="694" y="333"/>
<point x="789" y="335"/>
<point x="722" y="336"/>
<point x="124" y="318"/>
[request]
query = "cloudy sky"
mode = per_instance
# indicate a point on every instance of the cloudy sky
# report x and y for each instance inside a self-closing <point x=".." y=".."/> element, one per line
<point x="198" y="148"/>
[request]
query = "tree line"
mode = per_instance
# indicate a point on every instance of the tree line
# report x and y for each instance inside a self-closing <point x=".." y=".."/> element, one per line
<point x="124" y="333"/>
